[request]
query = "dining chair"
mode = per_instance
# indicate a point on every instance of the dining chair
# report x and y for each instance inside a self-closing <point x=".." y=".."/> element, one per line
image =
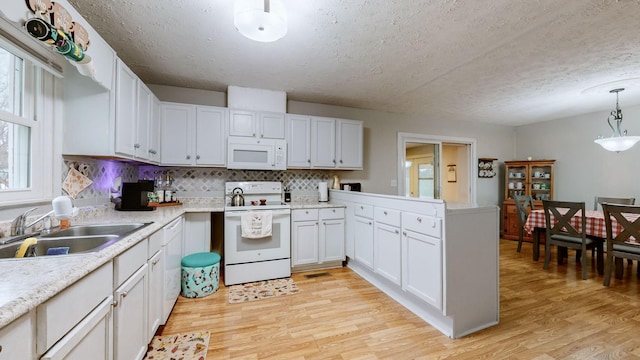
<point x="522" y="201"/>
<point x="619" y="246"/>
<point x="562" y="233"/>
<point x="612" y="200"/>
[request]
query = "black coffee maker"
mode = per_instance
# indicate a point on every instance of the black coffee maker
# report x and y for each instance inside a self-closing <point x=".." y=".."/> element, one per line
<point x="135" y="196"/>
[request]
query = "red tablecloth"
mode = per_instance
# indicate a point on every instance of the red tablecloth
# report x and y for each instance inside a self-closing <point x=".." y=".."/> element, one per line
<point x="594" y="220"/>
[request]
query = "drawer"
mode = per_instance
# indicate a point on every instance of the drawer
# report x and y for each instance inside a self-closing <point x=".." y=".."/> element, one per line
<point x="155" y="243"/>
<point x="58" y="315"/>
<point x="304" y="215"/>
<point x="387" y="216"/>
<point x="422" y="224"/>
<point x="332" y="213"/>
<point x="511" y="209"/>
<point x="125" y="264"/>
<point x="364" y="210"/>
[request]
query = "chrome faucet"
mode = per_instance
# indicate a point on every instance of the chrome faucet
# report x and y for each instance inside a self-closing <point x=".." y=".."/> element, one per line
<point x="18" y="225"/>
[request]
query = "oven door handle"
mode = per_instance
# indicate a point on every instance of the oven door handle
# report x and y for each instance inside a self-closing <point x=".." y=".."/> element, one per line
<point x="233" y="214"/>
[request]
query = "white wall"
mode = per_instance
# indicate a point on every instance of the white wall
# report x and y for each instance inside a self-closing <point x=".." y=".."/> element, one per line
<point x="583" y="169"/>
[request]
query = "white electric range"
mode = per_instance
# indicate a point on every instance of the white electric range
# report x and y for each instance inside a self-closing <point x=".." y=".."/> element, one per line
<point x="256" y="259"/>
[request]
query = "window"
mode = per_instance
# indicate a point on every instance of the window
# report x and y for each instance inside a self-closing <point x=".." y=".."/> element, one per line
<point x="28" y="108"/>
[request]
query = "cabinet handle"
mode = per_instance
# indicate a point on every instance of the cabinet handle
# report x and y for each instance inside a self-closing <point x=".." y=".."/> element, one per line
<point x="309" y="161"/>
<point x="340" y="161"/>
<point x="316" y="223"/>
<point x="334" y="161"/>
<point x="261" y="135"/>
<point x="385" y="212"/>
<point x="397" y="231"/>
<point x="334" y="210"/>
<point x="404" y="233"/>
<point x="137" y="146"/>
<point x="419" y="219"/>
<point x="155" y="262"/>
<point x="306" y="211"/>
<point x="433" y="225"/>
<point x="254" y="134"/>
<point x="197" y="157"/>
<point x="188" y="157"/>
<point x="324" y="223"/>
<point x="369" y="222"/>
<point x="114" y="303"/>
<point x="124" y="294"/>
<point x="361" y="207"/>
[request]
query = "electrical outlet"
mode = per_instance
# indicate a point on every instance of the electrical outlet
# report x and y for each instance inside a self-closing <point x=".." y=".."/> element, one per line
<point x="394" y="183"/>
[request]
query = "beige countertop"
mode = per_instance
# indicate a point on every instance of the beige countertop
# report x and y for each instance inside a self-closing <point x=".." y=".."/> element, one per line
<point x="27" y="283"/>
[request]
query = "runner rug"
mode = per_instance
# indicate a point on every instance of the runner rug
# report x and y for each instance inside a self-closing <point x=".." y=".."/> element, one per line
<point x="191" y="346"/>
<point x="262" y="290"/>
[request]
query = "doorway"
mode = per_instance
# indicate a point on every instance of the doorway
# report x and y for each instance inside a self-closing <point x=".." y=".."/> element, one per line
<point x="436" y="167"/>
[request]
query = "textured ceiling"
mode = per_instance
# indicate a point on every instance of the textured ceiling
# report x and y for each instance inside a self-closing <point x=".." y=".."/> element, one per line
<point x="499" y="61"/>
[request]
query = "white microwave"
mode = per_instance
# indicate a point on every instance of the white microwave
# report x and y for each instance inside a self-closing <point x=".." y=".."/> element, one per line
<point x="256" y="154"/>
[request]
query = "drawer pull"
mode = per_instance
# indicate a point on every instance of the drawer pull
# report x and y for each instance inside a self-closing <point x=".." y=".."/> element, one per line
<point x="334" y="210"/>
<point x="124" y="294"/>
<point x="155" y="262"/>
<point x="385" y="212"/>
<point x="404" y="233"/>
<point x="361" y="207"/>
<point x="397" y="231"/>
<point x="419" y="219"/>
<point x="369" y="222"/>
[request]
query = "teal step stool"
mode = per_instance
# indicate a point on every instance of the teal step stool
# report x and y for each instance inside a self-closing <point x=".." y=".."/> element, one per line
<point x="200" y="274"/>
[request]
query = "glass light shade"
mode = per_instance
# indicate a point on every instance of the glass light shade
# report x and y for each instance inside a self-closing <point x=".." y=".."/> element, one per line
<point x="253" y="21"/>
<point x="618" y="143"/>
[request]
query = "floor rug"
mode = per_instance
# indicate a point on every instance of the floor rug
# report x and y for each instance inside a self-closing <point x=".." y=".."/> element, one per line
<point x="262" y="290"/>
<point x="191" y="346"/>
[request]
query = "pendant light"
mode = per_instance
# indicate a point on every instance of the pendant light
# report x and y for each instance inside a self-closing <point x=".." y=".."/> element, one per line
<point x="619" y="141"/>
<point x="260" y="20"/>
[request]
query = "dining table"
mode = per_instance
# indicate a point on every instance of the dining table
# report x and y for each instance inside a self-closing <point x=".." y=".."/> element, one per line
<point x="595" y="226"/>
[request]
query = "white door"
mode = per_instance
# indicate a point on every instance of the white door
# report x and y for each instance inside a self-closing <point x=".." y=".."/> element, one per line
<point x="422" y="267"/>
<point x="298" y="141"/>
<point x="17" y="340"/>
<point x="92" y="338"/>
<point x="332" y="240"/>
<point x="197" y="233"/>
<point x="271" y="125"/>
<point x="304" y="242"/>
<point x="156" y="288"/>
<point x="211" y="144"/>
<point x="126" y="109"/>
<point x="130" y="317"/>
<point x="323" y="142"/>
<point x="388" y="255"/>
<point x="143" y="122"/>
<point x="364" y="241"/>
<point x="242" y="123"/>
<point x="349" y="144"/>
<point x="178" y="126"/>
<point x="154" y="130"/>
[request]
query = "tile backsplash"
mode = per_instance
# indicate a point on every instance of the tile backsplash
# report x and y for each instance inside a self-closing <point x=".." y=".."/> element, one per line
<point x="188" y="181"/>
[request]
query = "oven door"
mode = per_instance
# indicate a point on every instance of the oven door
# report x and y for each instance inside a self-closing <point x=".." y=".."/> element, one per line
<point x="238" y="250"/>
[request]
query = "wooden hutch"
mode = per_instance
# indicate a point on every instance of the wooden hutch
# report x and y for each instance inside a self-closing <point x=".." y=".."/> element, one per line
<point x="525" y="177"/>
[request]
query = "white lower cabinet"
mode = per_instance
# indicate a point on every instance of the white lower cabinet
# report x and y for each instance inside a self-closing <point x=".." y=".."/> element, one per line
<point x="172" y="251"/>
<point x="156" y="284"/>
<point x="16" y="339"/>
<point x="317" y="237"/>
<point x="363" y="235"/>
<point x="197" y="233"/>
<point x="130" y="301"/>
<point x="90" y="339"/>
<point x="422" y="258"/>
<point x="388" y="254"/>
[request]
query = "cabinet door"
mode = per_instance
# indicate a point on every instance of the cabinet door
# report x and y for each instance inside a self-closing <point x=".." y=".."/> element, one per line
<point x="178" y="123"/>
<point x="242" y="123"/>
<point x="422" y="267"/>
<point x="211" y="143"/>
<point x="271" y="125"/>
<point x="332" y="240"/>
<point x="156" y="283"/>
<point x="298" y="141"/>
<point x="126" y="109"/>
<point x="323" y="142"/>
<point x="154" y="131"/>
<point x="130" y="317"/>
<point x="304" y="242"/>
<point x="17" y="338"/>
<point x="388" y="254"/>
<point x="349" y="144"/>
<point x="364" y="241"/>
<point x="143" y="122"/>
<point x="90" y="339"/>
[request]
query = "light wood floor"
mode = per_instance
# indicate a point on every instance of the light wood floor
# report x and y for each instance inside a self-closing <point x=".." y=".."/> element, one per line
<point x="543" y="315"/>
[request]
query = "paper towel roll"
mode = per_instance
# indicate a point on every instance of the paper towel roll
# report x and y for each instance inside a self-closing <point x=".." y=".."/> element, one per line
<point x="323" y="191"/>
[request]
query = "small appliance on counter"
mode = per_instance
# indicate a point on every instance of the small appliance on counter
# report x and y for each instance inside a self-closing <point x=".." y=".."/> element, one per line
<point x="323" y="191"/>
<point x="351" y="187"/>
<point x="135" y="196"/>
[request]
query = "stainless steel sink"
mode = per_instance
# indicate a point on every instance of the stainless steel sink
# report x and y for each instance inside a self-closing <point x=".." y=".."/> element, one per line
<point x="99" y="229"/>
<point x="79" y="239"/>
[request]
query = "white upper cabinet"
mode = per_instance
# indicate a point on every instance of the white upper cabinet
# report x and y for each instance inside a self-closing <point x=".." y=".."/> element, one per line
<point x="298" y="141"/>
<point x="193" y="135"/>
<point x="126" y="109"/>
<point x="349" y="144"/>
<point x="323" y="142"/>
<point x="143" y="122"/>
<point x="154" y="131"/>
<point x="257" y="124"/>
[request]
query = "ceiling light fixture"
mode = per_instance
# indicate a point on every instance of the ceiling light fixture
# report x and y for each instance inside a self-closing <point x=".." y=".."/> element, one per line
<point x="260" y="20"/>
<point x="619" y="141"/>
